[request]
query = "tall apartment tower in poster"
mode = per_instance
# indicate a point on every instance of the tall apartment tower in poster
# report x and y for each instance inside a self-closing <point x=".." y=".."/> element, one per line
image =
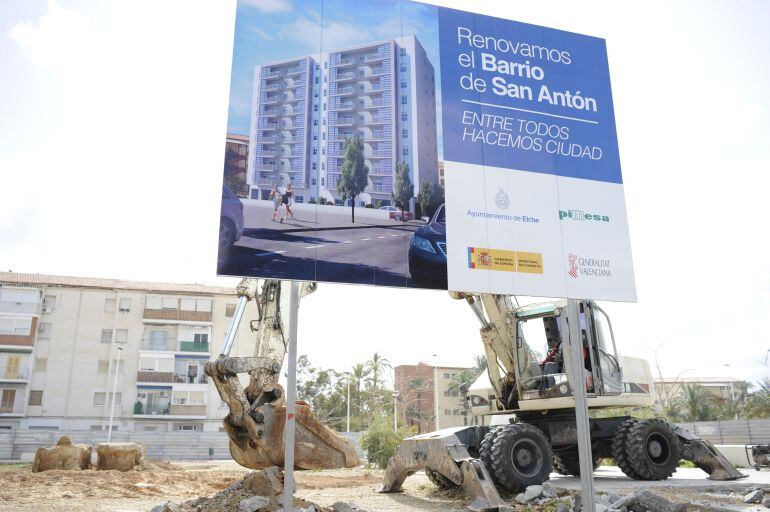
<point x="303" y="109"/>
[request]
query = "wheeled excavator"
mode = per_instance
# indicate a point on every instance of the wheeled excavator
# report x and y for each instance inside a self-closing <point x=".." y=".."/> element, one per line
<point x="534" y="389"/>
<point x="532" y="386"/>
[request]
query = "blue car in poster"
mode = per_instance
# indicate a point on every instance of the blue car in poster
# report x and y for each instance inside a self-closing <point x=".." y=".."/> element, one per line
<point x="427" y="251"/>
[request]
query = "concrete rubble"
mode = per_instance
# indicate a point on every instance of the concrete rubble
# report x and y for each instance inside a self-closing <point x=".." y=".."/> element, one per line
<point x="120" y="456"/>
<point x="64" y="455"/>
<point x="259" y="491"/>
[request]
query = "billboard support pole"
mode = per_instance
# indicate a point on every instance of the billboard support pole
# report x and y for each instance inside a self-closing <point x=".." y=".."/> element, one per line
<point x="291" y="401"/>
<point x="578" y="384"/>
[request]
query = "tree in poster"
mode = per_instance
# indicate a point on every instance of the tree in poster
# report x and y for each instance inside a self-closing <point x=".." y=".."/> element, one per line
<point x="431" y="196"/>
<point x="403" y="189"/>
<point x="355" y="175"/>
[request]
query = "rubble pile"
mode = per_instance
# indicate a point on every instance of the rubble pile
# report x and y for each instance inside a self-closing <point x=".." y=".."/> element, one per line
<point x="119" y="456"/>
<point x="64" y="455"/>
<point x="260" y="491"/>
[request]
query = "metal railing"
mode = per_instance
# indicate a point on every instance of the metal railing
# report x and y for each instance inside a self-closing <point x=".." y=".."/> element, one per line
<point x="14" y="373"/>
<point x="173" y="345"/>
<point x="19" y="307"/>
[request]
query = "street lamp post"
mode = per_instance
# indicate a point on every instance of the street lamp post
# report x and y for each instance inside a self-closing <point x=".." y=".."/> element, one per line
<point x="347" y="374"/>
<point x="732" y="395"/>
<point x="396" y="394"/>
<point x="112" y="403"/>
<point x="435" y="389"/>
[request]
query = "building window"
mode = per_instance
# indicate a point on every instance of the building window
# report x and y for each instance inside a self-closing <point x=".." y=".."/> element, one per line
<point x="403" y="69"/>
<point x="315" y="151"/>
<point x="49" y="301"/>
<point x="99" y="399"/>
<point x="403" y="100"/>
<point x="44" y="331"/>
<point x="404" y="116"/>
<point x="314" y="165"/>
<point x="106" y="336"/>
<point x="446" y="375"/>
<point x="316" y="79"/>
<point x="103" y="366"/>
<point x="40" y="364"/>
<point x="315" y="108"/>
<point x="402" y="51"/>
<point x="315" y="136"/>
<point x="109" y="305"/>
<point x="447" y="412"/>
<point x="405" y="133"/>
<point x="96" y="428"/>
<point x="16" y="326"/>
<point x="229" y="310"/>
<point x="36" y="397"/>
<point x="200" y="338"/>
<point x="315" y="122"/>
<point x="406" y="151"/>
<point x="121" y="335"/>
<point x="313" y="182"/>
<point x="403" y="84"/>
<point x="125" y="305"/>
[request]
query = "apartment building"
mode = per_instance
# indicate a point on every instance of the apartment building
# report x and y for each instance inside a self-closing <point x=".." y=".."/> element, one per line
<point x="236" y="163"/>
<point x="304" y="109"/>
<point x="416" y="385"/>
<point x="63" y="340"/>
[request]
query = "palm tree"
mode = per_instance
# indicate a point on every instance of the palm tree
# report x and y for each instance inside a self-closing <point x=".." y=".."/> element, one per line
<point x="376" y="365"/>
<point x="358" y="373"/>
<point x="696" y="403"/>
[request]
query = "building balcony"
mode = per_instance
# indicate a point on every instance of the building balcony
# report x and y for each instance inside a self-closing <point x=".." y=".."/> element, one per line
<point x="378" y="71"/>
<point x="183" y="378"/>
<point x="272" y="74"/>
<point x="380" y="171"/>
<point x="15" y="408"/>
<point x="266" y="140"/>
<point x="380" y="120"/>
<point x="29" y="308"/>
<point x="342" y="122"/>
<point x="154" y="377"/>
<point x="268" y="126"/>
<point x="269" y="113"/>
<point x="381" y="153"/>
<point x="345" y="62"/>
<point x="188" y="409"/>
<point x="295" y="71"/>
<point x="14" y="374"/>
<point x="375" y="57"/>
<point x="377" y="104"/>
<point x="377" y="136"/>
<point x="377" y="88"/>
<point x="179" y="315"/>
<point x="264" y="152"/>
<point x="173" y="345"/>
<point x="342" y="107"/>
<point x="272" y="87"/>
<point x="294" y="99"/>
<point x="343" y="91"/>
<point x="343" y="77"/>
<point x="273" y="100"/>
<point x="24" y="340"/>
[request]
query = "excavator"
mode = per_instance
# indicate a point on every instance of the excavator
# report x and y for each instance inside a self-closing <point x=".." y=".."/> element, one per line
<point x="532" y="388"/>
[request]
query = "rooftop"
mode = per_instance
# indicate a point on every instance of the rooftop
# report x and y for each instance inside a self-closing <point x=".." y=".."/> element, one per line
<point x="21" y="278"/>
<point x="698" y="380"/>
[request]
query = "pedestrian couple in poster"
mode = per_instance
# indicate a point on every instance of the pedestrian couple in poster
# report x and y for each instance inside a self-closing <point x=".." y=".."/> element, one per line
<point x="286" y="199"/>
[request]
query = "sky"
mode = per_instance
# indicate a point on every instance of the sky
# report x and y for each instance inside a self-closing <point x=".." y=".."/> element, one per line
<point x="113" y="118"/>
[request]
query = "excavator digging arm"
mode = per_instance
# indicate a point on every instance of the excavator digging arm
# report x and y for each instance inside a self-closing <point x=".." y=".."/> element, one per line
<point x="258" y="412"/>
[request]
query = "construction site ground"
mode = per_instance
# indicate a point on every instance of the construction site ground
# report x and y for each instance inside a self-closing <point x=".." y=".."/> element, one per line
<point x="139" y="491"/>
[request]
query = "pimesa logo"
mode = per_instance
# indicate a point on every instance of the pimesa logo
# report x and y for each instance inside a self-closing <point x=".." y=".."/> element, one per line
<point x="582" y="216"/>
<point x="588" y="267"/>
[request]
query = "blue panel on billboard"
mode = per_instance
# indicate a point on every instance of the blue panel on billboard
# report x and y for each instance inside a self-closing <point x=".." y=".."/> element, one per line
<point x="536" y="99"/>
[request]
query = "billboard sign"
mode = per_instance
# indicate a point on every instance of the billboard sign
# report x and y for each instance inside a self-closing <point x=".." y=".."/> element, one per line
<point x="402" y="144"/>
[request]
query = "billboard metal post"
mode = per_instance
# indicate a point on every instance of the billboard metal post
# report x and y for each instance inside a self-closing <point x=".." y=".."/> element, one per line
<point x="575" y="361"/>
<point x="291" y="400"/>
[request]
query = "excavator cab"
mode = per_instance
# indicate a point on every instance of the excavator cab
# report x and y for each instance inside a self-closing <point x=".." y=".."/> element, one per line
<point x="540" y="339"/>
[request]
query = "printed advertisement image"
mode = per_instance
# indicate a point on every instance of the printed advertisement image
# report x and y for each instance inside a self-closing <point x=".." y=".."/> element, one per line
<point x="402" y="144"/>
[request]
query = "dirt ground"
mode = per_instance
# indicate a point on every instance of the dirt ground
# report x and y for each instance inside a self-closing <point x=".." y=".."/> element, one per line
<point x="139" y="491"/>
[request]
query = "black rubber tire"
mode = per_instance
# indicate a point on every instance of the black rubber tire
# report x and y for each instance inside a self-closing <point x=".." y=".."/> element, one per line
<point x="439" y="480"/>
<point x="226" y="235"/>
<point x="485" y="451"/>
<point x="653" y="449"/>
<point x="521" y="456"/>
<point x="619" y="449"/>
<point x="568" y="463"/>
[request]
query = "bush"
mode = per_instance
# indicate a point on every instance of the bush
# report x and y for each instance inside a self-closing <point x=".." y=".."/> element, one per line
<point x="311" y="201"/>
<point x="138" y="407"/>
<point x="370" y="205"/>
<point x="380" y="442"/>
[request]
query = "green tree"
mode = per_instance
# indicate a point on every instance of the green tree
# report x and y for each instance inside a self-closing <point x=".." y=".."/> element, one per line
<point x="414" y="401"/>
<point x="380" y="442"/>
<point x="696" y="403"/>
<point x="376" y="366"/>
<point x="354" y="175"/>
<point x="757" y="404"/>
<point x="431" y="196"/>
<point x="359" y="372"/>
<point x="403" y="188"/>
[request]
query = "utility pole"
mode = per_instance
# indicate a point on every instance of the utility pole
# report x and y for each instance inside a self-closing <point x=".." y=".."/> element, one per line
<point x="347" y="375"/>
<point x="574" y="358"/>
<point x="114" y="389"/>
<point x="435" y="389"/>
<point x="396" y="394"/>
<point x="291" y="401"/>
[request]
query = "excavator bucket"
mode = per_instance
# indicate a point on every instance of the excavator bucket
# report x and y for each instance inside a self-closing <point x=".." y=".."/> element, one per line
<point x="704" y="455"/>
<point x="255" y="424"/>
